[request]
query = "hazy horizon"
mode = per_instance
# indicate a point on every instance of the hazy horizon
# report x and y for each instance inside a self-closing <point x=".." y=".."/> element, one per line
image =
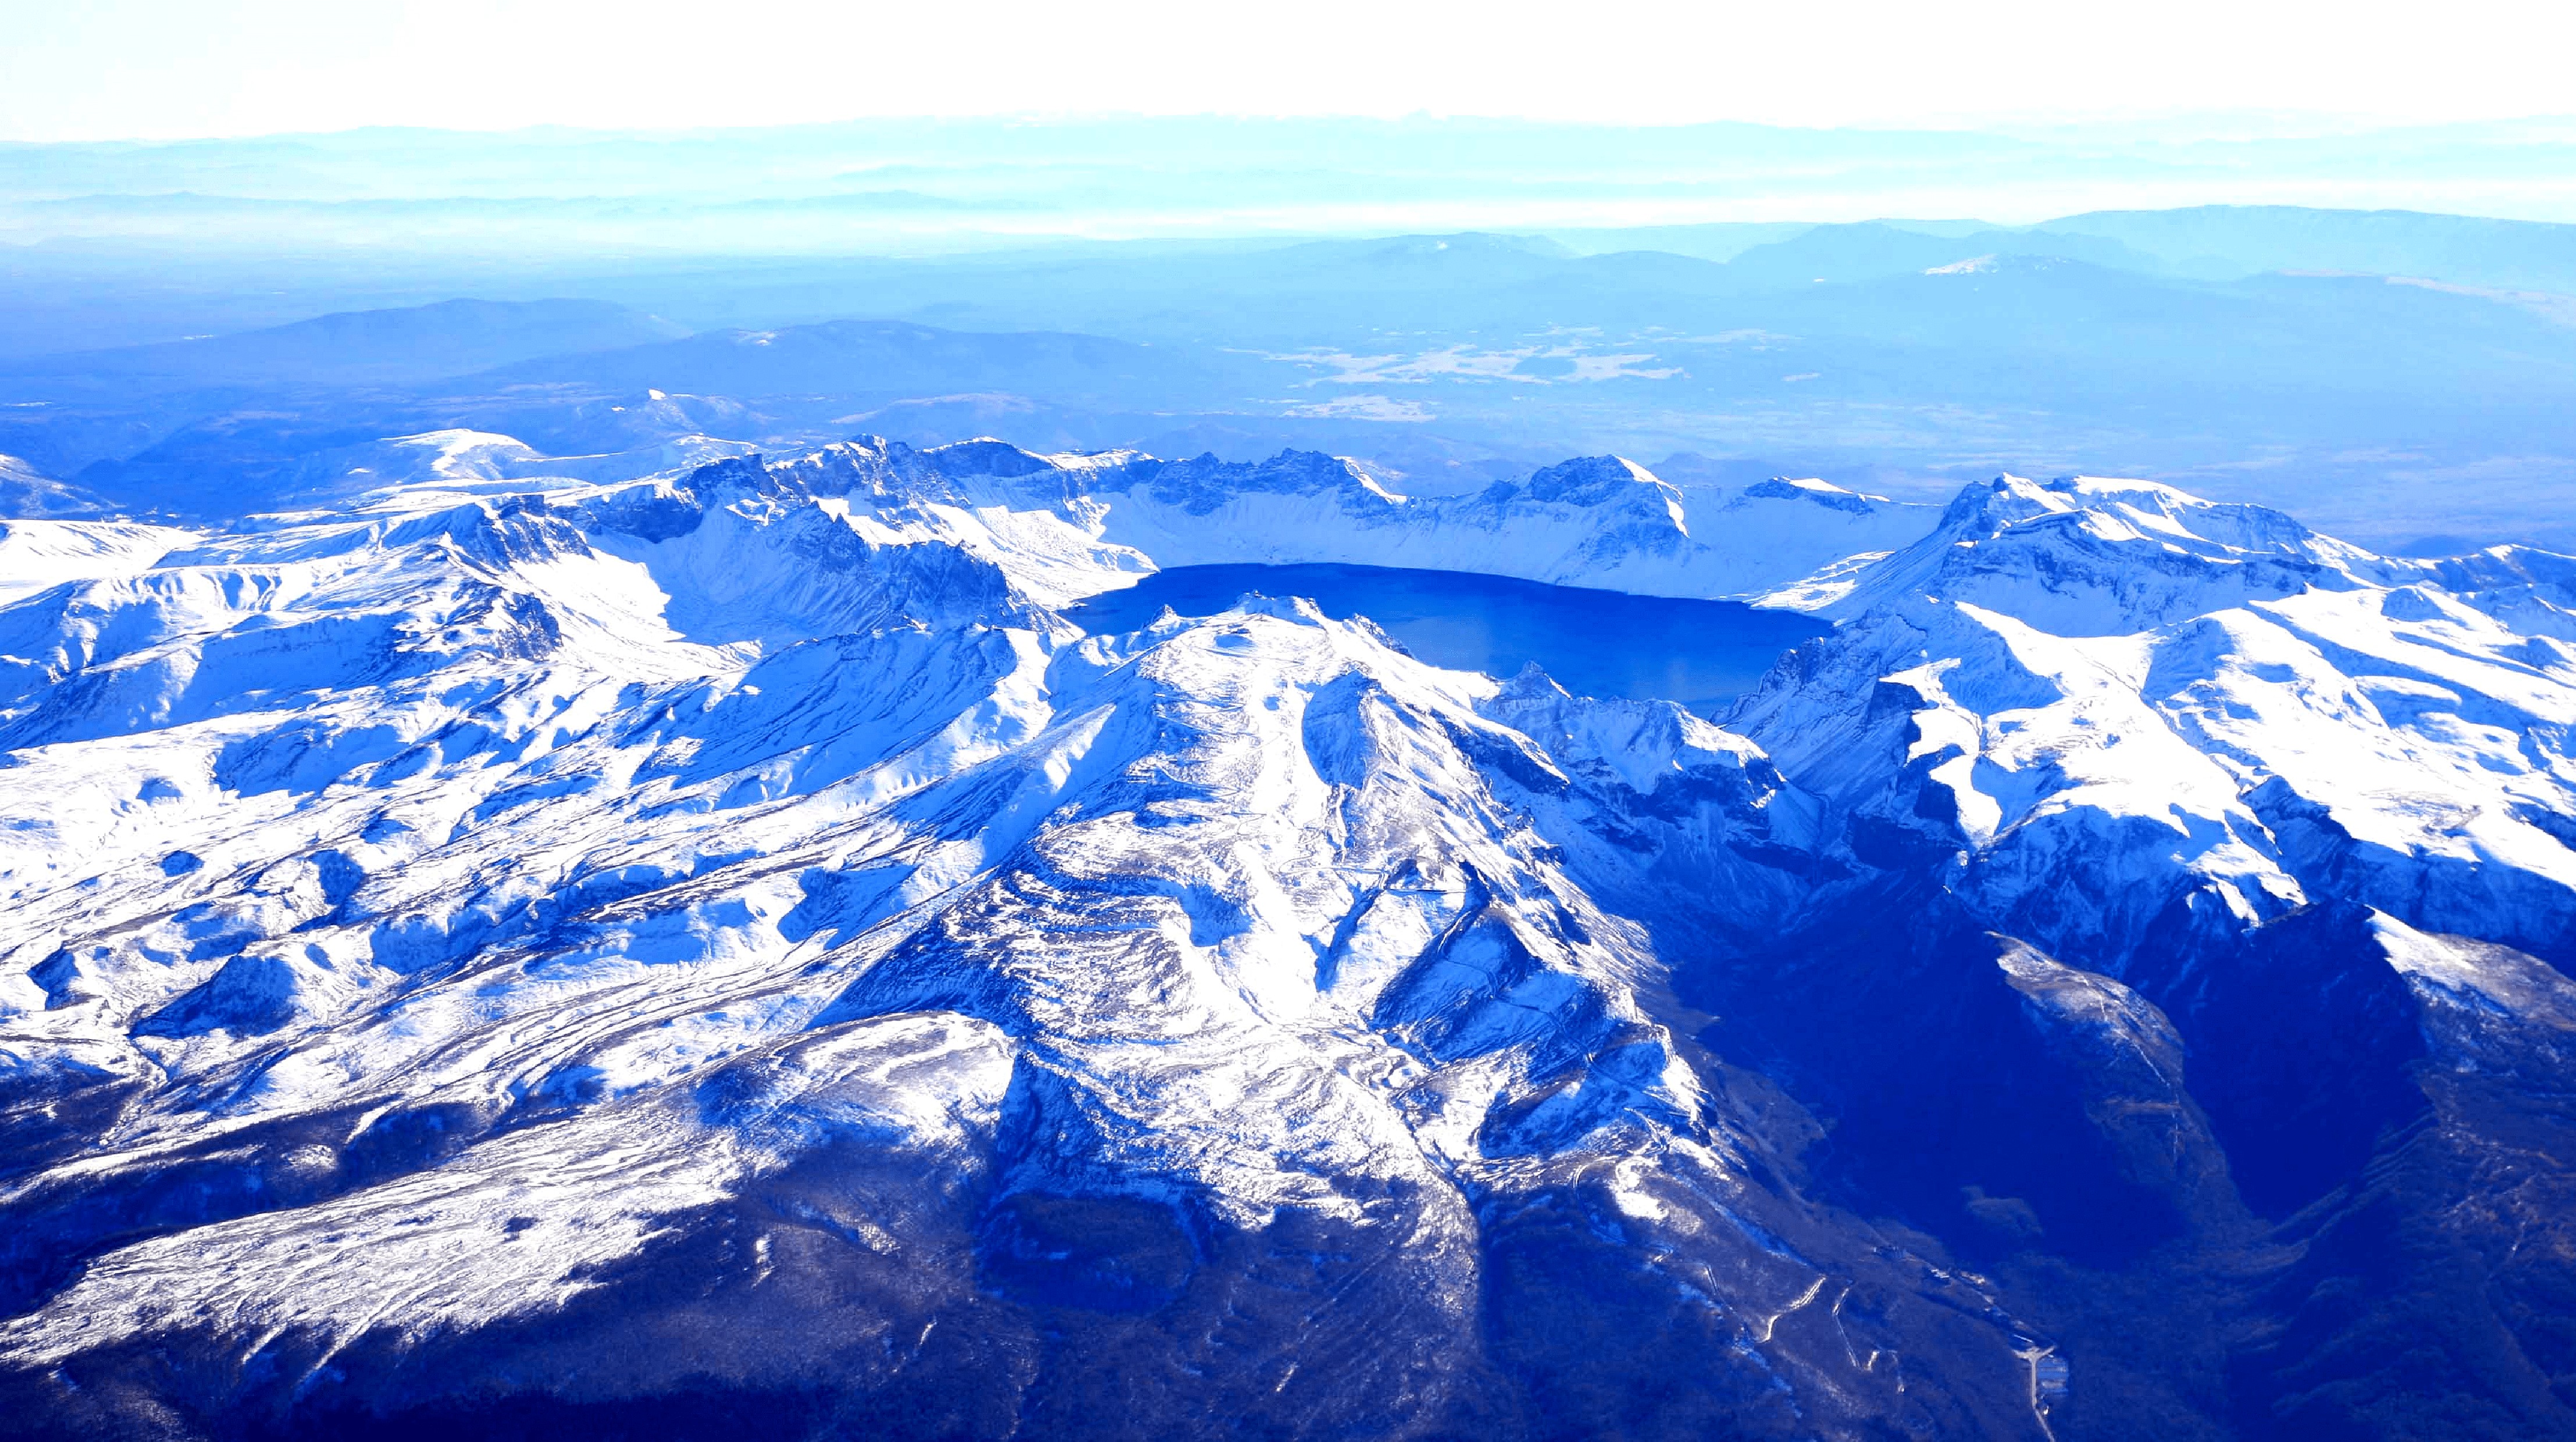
<point x="915" y="185"/>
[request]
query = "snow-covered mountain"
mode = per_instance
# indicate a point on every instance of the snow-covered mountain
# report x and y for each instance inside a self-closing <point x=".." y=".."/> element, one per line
<point x="721" y="952"/>
<point x="420" y="916"/>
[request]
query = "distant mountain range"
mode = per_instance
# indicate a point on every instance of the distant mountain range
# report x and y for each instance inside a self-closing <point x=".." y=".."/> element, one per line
<point x="2414" y="411"/>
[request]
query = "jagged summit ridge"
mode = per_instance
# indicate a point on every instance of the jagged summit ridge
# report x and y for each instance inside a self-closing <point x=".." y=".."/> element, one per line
<point x="1596" y="521"/>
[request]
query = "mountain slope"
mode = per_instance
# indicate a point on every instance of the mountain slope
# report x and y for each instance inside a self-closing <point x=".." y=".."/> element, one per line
<point x="750" y="893"/>
<point x="723" y="952"/>
<point x="2203" y="887"/>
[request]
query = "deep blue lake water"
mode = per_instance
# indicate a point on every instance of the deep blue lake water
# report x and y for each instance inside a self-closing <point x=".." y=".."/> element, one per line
<point x="1595" y="643"/>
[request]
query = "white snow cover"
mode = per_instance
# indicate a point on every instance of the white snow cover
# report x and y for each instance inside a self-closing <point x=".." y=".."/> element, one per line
<point x="559" y="805"/>
<point x="684" y="822"/>
<point x="2127" y="696"/>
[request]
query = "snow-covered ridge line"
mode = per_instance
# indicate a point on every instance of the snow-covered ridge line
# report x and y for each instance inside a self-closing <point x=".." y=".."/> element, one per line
<point x="640" y="841"/>
<point x="1600" y="521"/>
<point x="1597" y="521"/>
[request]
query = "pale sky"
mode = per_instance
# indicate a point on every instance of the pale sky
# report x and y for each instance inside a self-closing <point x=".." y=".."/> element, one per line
<point x="175" y="68"/>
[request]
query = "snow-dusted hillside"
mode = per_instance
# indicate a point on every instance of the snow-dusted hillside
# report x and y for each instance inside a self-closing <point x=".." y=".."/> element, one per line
<point x="724" y="945"/>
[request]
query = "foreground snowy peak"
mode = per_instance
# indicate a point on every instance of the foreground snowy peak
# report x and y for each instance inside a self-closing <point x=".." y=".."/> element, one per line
<point x="485" y="953"/>
<point x="441" y="933"/>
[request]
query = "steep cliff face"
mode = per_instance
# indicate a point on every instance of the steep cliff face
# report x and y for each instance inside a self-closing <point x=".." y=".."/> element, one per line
<point x="723" y="953"/>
